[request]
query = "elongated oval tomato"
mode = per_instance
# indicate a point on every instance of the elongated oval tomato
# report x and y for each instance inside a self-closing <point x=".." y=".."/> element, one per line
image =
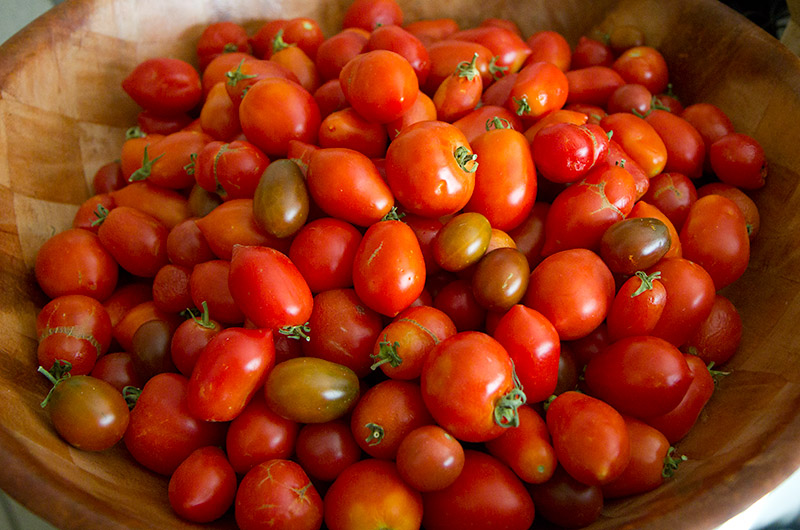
<point x="540" y="88"/>
<point x="346" y="184"/>
<point x="268" y="288"/>
<point x="639" y="140"/>
<point x="388" y="269"/>
<point x="138" y="241"/>
<point x="229" y="371"/>
<point x="589" y="437"/>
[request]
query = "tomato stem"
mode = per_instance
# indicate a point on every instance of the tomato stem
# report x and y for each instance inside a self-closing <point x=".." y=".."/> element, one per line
<point x="205" y="320"/>
<point x="234" y="76"/>
<point x="279" y="44"/>
<point x="647" y="282"/>
<point x="387" y="354"/>
<point x="496" y="71"/>
<point x="376" y="434"/>
<point x="101" y="212"/>
<point x="464" y="156"/>
<point x="468" y="69"/>
<point x="230" y="48"/>
<point x="57" y="373"/>
<point x="134" y="132"/>
<point x="522" y="105"/>
<point x="506" y="413"/>
<point x="393" y="215"/>
<point x="190" y="167"/>
<point x="296" y="332"/>
<point x="671" y="463"/>
<point x="498" y="123"/>
<point x="147" y="166"/>
<point x="716" y="375"/>
<point x="131" y="395"/>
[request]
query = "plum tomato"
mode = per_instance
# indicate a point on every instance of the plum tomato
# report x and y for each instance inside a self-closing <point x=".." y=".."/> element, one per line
<point x="527" y="449"/>
<point x="203" y="486"/>
<point x="462" y="241"/>
<point x="429" y="458"/>
<point x="323" y="251"/>
<point x="566" y="502"/>
<point x="326" y="449"/>
<point x="164" y="85"/>
<point x="280" y="199"/>
<point x="634" y="244"/>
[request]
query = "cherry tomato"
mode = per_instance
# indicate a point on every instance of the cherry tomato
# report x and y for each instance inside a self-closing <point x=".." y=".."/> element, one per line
<point x="640" y="376"/>
<point x="429" y="458"/>
<point x="218" y="38"/>
<point x="458" y="302"/>
<point x="630" y="97"/>
<point x="533" y="344"/>
<point x="336" y="51"/>
<point x="311" y="390"/>
<point x="108" y="178"/>
<point x="526" y="449"/>
<point x="231" y="170"/>
<point x="589" y="437"/>
<point x="171" y="292"/>
<point x="268" y="288"/>
<point x="203" y="486"/>
<point x="189" y="339"/>
<point x="277" y="491"/>
<point x="323" y="251"/>
<point x="234" y="223"/>
<point x="326" y="449"/>
<point x="644" y="209"/>
<point x="73" y="328"/>
<point x="168" y="206"/>
<point x="738" y="159"/>
<point x="637" y="306"/>
<point x="385" y="414"/>
<point x="634" y="244"/>
<point x="371" y="14"/>
<point x="715" y="237"/>
<point x="446" y="54"/>
<point x="209" y="284"/>
<point x="469" y="387"/>
<point x="486" y="494"/>
<point x="275" y="111"/>
<point x="346" y="184"/>
<point x="459" y="93"/>
<point x="591" y="52"/>
<point x="710" y="121"/>
<point x="162" y="432"/>
<point x="643" y="65"/>
<point x="347" y="128"/>
<point x="281" y="202"/>
<point x="638" y="139"/>
<point x="164" y="85"/>
<point x="380" y="85"/>
<point x="550" y="46"/>
<point x="138" y="241"/>
<point x="399" y="40"/>
<point x="743" y="201"/>
<point x="566" y="502"/>
<point x="686" y="151"/>
<point x="673" y="194"/>
<point x="719" y="335"/>
<point x="117" y="370"/>
<point x="388" y="269"/>
<point x="343" y="330"/>
<point x="564" y="152"/>
<point x="76" y="262"/>
<point x="592" y="85"/>
<point x="432" y="30"/>
<point x="258" y="434"/>
<point x="500" y="279"/>
<point x="87" y="412"/>
<point x="540" y="88"/>
<point x="462" y="241"/>
<point x="370" y="495"/>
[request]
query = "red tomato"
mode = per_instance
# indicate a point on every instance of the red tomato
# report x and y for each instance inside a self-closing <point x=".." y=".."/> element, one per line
<point x="75" y="262"/>
<point x="457" y="300"/>
<point x="347" y="128"/>
<point x="403" y="345"/>
<point x="630" y="97"/>
<point x="430" y="168"/>
<point x="343" y="330"/>
<point x="168" y="206"/>
<point x="459" y="93"/>
<point x="690" y="296"/>
<point x="643" y="209"/>
<point x="371" y="14"/>
<point x="677" y="423"/>
<point x="540" y="88"/>
<point x="171" y="163"/>
<point x="432" y="30"/>
<point x="592" y="85"/>
<point x="370" y="495"/>
<point x="162" y="432"/>
<point x="738" y="159"/>
<point x="508" y="49"/>
<point x="647" y="468"/>
<point x="323" y="251"/>
<point x="108" y="178"/>
<point x="336" y="51"/>
<point x="550" y="46"/>
<point x="189" y="339"/>
<point x="505" y="181"/>
<point x="469" y="386"/>
<point x="486" y="494"/>
<point x="673" y="194"/>
<point x="686" y="151"/>
<point x="388" y="269"/>
<point x="710" y="121"/>
<point x="640" y="376"/>
<point x="203" y="486"/>
<point x="278" y="493"/>
<point x="164" y="85"/>
<point x="715" y="237"/>
<point x="719" y="335"/>
<point x="138" y="241"/>
<point x="275" y="111"/>
<point x="230" y="370"/>
<point x="346" y="184"/>
<point x="258" y="434"/>
<point x="576" y="302"/>
<point x="302" y="31"/>
<point x="638" y="139"/>
<point x="637" y="306"/>
<point x="399" y="40"/>
<point x="385" y="414"/>
<point x="429" y="458"/>
<point x="171" y="292"/>
<point x="326" y="449"/>
<point x="590" y="438"/>
<point x="294" y="59"/>
<point x="564" y="501"/>
<point x="208" y="285"/>
<point x="591" y="52"/>
<point x="218" y="38"/>
<point x="565" y="152"/>
<point x="533" y="344"/>
<point x="268" y="288"/>
<point x="526" y="449"/>
<point x="73" y="328"/>
<point x="643" y="65"/>
<point x="742" y="200"/>
<point x="231" y="170"/>
<point x="580" y="215"/>
<point x="381" y="85"/>
<point x="446" y="54"/>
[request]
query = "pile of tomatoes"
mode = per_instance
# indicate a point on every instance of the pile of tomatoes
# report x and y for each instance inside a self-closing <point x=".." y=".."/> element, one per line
<point x="407" y="275"/>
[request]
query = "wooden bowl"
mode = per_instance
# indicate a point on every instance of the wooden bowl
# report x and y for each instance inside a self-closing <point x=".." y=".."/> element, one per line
<point x="63" y="114"/>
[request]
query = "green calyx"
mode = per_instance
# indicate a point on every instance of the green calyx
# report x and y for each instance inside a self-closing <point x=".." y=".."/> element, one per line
<point x="506" y="412"/>
<point x="671" y="463"/>
<point x="56" y="374"/>
<point x="147" y="167"/>
<point x="466" y="159"/>
<point x="647" y="282"/>
<point x="299" y="332"/>
<point x="387" y="353"/>
<point x="468" y="69"/>
<point x="234" y="76"/>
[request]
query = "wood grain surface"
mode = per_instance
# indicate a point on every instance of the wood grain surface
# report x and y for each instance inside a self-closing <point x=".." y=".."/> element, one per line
<point x="62" y="115"/>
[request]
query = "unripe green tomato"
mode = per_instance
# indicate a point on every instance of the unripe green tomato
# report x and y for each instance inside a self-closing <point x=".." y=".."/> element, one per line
<point x="462" y="241"/>
<point x="311" y="390"/>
